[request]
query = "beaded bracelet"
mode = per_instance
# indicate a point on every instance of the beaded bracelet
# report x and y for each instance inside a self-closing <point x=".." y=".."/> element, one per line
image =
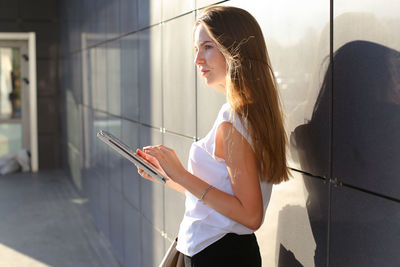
<point x="205" y="192"/>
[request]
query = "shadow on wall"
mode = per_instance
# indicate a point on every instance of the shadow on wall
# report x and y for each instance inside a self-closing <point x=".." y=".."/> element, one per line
<point x="287" y="258"/>
<point x="294" y="237"/>
<point x="365" y="138"/>
<point x="366" y="112"/>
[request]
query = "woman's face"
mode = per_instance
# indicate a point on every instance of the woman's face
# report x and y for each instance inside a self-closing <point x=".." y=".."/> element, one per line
<point x="208" y="58"/>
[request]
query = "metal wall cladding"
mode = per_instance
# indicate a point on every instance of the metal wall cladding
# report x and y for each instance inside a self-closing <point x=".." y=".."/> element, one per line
<point x="365" y="129"/>
<point x="129" y="21"/>
<point x="366" y="104"/>
<point x="174" y="201"/>
<point x="132" y="236"/>
<point x="113" y="84"/>
<point x="117" y="223"/>
<point x="130" y="177"/>
<point x="134" y="76"/>
<point x="366" y="116"/>
<point x="364" y="229"/>
<point x="150" y="73"/>
<point x="297" y="37"/>
<point x="149" y="12"/>
<point x="179" y="91"/>
<point x="130" y="79"/>
<point x="295" y="228"/>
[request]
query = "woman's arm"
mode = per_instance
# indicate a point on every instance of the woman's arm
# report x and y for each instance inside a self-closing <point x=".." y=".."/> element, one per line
<point x="245" y="206"/>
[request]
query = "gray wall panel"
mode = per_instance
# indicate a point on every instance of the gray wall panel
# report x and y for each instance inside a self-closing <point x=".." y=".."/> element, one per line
<point x="132" y="236"/>
<point x="8" y="9"/>
<point x="203" y="3"/>
<point x="100" y="72"/>
<point x="152" y="244"/>
<point x="151" y="194"/>
<point x="86" y="77"/>
<point x="91" y="71"/>
<point x="76" y="72"/>
<point x="47" y="111"/>
<point x="149" y="12"/>
<point x="41" y="9"/>
<point x="174" y="8"/>
<point x="100" y="33"/>
<point x="129" y="21"/>
<point x="364" y="229"/>
<point x="179" y="78"/>
<point x="104" y="207"/>
<point x="298" y="46"/>
<point x="129" y="72"/>
<point x="117" y="224"/>
<point x="101" y="154"/>
<point x="113" y="77"/>
<point x="131" y="179"/>
<point x="48" y="151"/>
<point x="135" y="77"/>
<point x="46" y="37"/>
<point x="366" y="109"/>
<point x="174" y="202"/>
<point x="151" y="201"/>
<point x="113" y="19"/>
<point x="47" y="76"/>
<point x="150" y="81"/>
<point x="295" y="228"/>
<point x="114" y="161"/>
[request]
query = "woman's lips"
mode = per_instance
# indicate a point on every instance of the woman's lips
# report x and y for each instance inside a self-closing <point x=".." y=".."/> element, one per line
<point x="204" y="72"/>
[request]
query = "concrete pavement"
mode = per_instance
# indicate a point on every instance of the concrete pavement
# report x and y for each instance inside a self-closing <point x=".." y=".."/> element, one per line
<point x="44" y="222"/>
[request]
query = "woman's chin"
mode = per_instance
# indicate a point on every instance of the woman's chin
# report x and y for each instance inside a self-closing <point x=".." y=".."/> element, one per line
<point x="217" y="86"/>
<point x="208" y="82"/>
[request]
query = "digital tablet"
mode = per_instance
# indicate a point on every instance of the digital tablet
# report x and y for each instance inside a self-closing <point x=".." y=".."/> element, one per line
<point x="127" y="153"/>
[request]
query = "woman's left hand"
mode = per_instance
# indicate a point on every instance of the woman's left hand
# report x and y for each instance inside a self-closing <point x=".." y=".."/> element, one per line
<point x="168" y="160"/>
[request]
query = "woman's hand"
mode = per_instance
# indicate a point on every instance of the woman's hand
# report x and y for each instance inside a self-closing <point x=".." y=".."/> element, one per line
<point x="153" y="161"/>
<point x="145" y="174"/>
<point x="167" y="160"/>
<point x="156" y="164"/>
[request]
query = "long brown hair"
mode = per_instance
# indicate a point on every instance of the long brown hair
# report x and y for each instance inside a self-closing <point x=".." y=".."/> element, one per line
<point x="251" y="86"/>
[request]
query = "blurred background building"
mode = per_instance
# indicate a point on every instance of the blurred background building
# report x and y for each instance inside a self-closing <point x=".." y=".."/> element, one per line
<point x="126" y="66"/>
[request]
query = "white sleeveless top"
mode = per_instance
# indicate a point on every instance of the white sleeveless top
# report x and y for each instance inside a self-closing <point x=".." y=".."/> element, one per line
<point x="201" y="225"/>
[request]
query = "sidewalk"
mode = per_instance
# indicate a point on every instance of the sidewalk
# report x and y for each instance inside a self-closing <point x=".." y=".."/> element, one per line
<point x="43" y="222"/>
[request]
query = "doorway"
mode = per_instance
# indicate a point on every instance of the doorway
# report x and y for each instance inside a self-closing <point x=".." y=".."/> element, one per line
<point x="18" y="104"/>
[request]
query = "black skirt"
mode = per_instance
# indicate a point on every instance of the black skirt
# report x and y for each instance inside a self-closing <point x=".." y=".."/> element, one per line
<point x="231" y="250"/>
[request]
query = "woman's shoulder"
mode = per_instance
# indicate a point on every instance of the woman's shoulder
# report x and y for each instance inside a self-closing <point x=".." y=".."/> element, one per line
<point x="225" y="108"/>
<point x="227" y="114"/>
<point x="224" y="114"/>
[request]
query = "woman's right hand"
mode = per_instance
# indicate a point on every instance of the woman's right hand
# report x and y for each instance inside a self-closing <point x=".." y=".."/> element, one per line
<point x="145" y="174"/>
<point x="153" y="161"/>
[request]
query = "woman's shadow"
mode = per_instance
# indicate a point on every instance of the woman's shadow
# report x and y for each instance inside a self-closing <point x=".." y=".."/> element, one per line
<point x="353" y="134"/>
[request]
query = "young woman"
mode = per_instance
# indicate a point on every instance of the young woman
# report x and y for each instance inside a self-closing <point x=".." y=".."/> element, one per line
<point x="231" y="171"/>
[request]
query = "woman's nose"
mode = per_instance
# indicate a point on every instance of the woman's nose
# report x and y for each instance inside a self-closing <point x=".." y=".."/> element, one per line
<point x="199" y="59"/>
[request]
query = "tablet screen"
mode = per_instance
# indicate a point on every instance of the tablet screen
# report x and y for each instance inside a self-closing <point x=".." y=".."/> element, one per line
<point x="128" y="153"/>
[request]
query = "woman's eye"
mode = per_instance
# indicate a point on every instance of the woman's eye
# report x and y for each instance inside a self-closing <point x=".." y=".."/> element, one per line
<point x="207" y="47"/>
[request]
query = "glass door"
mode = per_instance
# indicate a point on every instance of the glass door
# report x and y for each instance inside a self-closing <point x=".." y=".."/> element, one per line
<point x="18" y="96"/>
<point x="13" y="83"/>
